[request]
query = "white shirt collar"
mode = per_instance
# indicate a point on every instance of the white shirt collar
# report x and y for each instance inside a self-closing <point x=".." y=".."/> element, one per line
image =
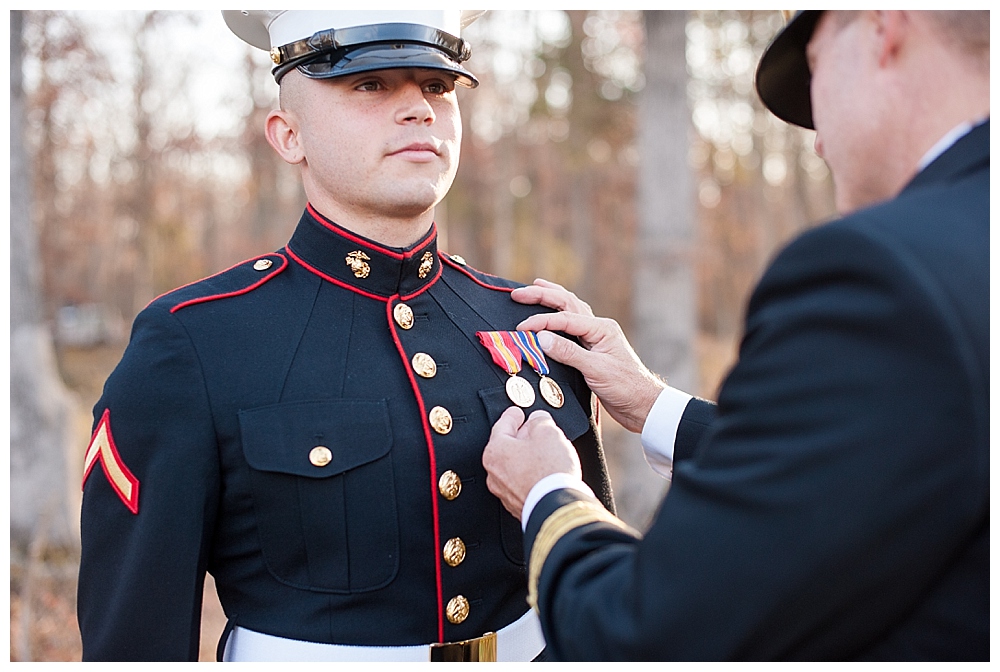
<point x="949" y="139"/>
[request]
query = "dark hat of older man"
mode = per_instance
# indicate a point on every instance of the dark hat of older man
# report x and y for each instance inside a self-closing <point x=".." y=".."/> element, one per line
<point x="783" y="75"/>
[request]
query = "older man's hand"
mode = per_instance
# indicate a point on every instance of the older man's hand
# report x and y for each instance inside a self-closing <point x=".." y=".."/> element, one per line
<point x="610" y="366"/>
<point x="520" y="453"/>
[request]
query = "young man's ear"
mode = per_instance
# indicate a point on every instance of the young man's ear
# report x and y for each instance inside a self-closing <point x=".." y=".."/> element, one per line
<point x="282" y="131"/>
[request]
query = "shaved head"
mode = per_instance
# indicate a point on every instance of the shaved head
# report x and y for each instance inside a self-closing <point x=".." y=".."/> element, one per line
<point x="291" y="90"/>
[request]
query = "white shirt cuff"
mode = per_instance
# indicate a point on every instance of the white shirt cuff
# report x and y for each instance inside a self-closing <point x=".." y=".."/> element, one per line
<point x="660" y="430"/>
<point x="550" y="483"/>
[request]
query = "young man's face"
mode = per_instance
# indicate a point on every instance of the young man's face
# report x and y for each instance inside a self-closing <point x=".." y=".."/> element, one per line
<point x="377" y="144"/>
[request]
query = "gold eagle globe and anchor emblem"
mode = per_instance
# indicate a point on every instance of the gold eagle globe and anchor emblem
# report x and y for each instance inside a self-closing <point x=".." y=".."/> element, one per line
<point x="356" y="260"/>
<point x="426" y="264"/>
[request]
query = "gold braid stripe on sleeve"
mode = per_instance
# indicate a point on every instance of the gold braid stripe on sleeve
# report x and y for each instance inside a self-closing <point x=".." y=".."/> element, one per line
<point x="563" y="520"/>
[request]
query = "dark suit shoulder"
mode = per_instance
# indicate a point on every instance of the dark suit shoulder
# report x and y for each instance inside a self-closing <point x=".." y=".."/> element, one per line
<point x="238" y="280"/>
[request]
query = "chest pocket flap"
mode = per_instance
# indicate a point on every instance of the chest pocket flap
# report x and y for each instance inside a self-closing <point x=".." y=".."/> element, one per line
<point x="282" y="438"/>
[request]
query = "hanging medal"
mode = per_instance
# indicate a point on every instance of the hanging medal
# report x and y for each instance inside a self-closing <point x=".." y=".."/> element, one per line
<point x="507" y="355"/>
<point x="527" y="342"/>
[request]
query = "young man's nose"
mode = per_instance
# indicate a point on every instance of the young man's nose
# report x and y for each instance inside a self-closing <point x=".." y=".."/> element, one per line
<point x="413" y="105"/>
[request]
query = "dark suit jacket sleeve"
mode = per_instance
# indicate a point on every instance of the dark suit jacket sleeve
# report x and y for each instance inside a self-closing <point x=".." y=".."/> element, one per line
<point x="697" y="418"/>
<point x="142" y="574"/>
<point x="782" y="536"/>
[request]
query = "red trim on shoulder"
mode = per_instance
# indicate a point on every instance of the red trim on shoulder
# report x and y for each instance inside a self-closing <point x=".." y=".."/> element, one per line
<point x="207" y="277"/>
<point x="463" y="269"/>
<point x="370" y="244"/>
<point x="102" y="449"/>
<point x="330" y="278"/>
<point x="245" y="290"/>
<point x="433" y="463"/>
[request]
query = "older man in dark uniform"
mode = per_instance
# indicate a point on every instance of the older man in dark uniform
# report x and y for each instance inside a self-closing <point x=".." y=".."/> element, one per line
<point x="835" y="504"/>
<point x="308" y="425"/>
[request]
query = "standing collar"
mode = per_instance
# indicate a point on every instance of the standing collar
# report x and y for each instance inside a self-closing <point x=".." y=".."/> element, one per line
<point x="361" y="264"/>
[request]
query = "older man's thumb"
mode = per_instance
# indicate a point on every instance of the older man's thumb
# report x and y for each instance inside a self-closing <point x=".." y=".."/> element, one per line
<point x="561" y="349"/>
<point x="508" y="423"/>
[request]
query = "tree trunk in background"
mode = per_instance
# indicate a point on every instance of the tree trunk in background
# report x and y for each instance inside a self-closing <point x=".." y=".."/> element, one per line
<point x="664" y="301"/>
<point x="42" y="411"/>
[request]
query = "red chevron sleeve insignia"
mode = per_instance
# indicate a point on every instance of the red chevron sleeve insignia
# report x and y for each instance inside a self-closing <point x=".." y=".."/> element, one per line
<point x="102" y="448"/>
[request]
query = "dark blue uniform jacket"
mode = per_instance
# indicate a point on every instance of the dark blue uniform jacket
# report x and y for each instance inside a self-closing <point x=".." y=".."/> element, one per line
<point x="225" y="390"/>
<point x="836" y="503"/>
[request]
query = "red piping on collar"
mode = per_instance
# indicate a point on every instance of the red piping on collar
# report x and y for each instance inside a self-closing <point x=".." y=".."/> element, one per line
<point x="459" y="267"/>
<point x="329" y="278"/>
<point x="245" y="290"/>
<point x="371" y="245"/>
<point x="433" y="465"/>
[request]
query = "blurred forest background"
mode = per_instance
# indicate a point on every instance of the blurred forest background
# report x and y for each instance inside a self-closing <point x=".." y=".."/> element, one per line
<point x="622" y="154"/>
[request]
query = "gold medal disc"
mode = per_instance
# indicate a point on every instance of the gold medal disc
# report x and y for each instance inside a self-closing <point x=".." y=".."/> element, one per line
<point x="551" y="392"/>
<point x="520" y="392"/>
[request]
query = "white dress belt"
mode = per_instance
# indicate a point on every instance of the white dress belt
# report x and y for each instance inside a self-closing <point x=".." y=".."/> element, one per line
<point x="518" y="642"/>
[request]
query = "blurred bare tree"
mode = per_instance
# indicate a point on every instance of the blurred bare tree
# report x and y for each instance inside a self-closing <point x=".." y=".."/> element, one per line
<point x="663" y="293"/>
<point x="547" y="182"/>
<point x="41" y="414"/>
<point x="759" y="181"/>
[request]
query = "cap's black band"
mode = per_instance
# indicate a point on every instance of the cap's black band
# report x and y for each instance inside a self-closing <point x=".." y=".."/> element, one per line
<point x="337" y="52"/>
<point x="344" y="38"/>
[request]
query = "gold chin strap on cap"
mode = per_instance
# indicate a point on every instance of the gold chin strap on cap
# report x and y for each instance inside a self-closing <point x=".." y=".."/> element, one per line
<point x="564" y="520"/>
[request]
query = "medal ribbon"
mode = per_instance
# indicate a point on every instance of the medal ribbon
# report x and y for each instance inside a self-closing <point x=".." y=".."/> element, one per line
<point x="527" y="343"/>
<point x="505" y="352"/>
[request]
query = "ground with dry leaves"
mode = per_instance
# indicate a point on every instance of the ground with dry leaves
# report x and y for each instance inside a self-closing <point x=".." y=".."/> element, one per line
<point x="43" y="625"/>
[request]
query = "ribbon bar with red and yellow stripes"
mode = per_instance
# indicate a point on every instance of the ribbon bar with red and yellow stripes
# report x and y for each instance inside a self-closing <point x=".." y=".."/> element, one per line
<point x="527" y="343"/>
<point x="503" y="349"/>
<point x="507" y="355"/>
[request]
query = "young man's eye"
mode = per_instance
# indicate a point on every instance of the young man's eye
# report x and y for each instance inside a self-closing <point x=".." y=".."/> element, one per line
<point x="438" y="88"/>
<point x="372" y="85"/>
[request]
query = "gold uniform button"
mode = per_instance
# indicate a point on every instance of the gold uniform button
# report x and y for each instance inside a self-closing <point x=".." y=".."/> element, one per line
<point x="457" y="259"/>
<point x="440" y="419"/>
<point x="320" y="456"/>
<point x="424" y="365"/>
<point x="403" y="315"/>
<point x="449" y="485"/>
<point x="262" y="264"/>
<point x="454" y="552"/>
<point x="457" y="609"/>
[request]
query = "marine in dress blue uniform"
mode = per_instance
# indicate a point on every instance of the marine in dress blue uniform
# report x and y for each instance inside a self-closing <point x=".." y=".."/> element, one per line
<point x="307" y="426"/>
<point x="834" y="505"/>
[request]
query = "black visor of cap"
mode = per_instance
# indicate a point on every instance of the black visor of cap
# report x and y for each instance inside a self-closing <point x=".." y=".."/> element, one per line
<point x="783" y="76"/>
<point x="333" y="53"/>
